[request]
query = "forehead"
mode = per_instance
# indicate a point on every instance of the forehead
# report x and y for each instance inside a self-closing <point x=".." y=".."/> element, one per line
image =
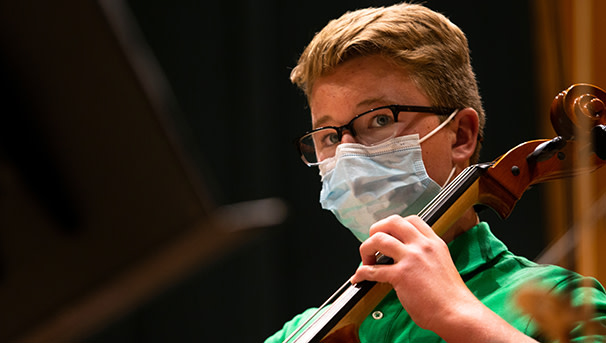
<point x="359" y="85"/>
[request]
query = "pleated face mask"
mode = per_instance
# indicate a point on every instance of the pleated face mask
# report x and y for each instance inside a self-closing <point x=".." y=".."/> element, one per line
<point x="363" y="184"/>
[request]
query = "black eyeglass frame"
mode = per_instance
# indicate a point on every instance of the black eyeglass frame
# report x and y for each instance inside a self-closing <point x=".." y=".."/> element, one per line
<point x="395" y="110"/>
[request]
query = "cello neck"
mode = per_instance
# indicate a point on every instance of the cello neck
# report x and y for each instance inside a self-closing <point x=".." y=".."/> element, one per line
<point x="454" y="199"/>
<point x="353" y="304"/>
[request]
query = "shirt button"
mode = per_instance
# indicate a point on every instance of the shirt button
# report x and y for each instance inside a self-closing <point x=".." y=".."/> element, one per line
<point x="377" y="315"/>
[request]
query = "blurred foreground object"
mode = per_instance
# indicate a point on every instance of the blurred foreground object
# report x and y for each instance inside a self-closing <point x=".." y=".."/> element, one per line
<point x="99" y="207"/>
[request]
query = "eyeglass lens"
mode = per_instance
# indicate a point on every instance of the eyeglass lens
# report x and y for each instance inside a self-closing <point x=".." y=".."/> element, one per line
<point x="370" y="128"/>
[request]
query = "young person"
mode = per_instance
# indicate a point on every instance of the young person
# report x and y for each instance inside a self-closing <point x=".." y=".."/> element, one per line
<point x="396" y="115"/>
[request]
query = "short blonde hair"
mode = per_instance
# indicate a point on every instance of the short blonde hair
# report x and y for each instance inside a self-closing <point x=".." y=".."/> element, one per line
<point x="425" y="43"/>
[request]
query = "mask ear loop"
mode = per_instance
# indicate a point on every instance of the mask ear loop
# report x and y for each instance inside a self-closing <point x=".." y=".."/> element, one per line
<point x="450" y="176"/>
<point x="439" y="126"/>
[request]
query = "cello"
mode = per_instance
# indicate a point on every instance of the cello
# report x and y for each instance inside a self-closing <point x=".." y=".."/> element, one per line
<point x="579" y="110"/>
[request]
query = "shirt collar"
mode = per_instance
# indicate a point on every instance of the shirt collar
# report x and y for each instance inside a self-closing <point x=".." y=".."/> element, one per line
<point x="474" y="248"/>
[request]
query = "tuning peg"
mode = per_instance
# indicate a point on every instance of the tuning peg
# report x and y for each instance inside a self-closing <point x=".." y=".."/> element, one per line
<point x="598" y="136"/>
<point x="546" y="150"/>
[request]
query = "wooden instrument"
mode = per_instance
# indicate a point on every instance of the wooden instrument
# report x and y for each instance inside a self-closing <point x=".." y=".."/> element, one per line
<point x="498" y="184"/>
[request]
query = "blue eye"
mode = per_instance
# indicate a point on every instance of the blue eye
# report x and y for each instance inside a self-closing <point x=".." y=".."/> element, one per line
<point x="330" y="138"/>
<point x="381" y="120"/>
<point x="325" y="139"/>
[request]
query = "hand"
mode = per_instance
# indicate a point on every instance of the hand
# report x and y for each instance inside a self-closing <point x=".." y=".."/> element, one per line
<point x="428" y="283"/>
<point x="423" y="273"/>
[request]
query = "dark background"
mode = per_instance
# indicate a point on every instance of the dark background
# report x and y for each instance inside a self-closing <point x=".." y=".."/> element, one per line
<point x="228" y="65"/>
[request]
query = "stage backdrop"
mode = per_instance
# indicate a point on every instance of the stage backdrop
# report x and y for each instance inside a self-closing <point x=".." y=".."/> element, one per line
<point x="227" y="64"/>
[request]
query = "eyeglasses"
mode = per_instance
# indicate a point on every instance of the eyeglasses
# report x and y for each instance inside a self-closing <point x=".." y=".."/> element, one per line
<point x="368" y="128"/>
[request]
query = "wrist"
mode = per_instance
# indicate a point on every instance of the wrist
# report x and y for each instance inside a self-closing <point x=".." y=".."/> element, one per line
<point x="477" y="323"/>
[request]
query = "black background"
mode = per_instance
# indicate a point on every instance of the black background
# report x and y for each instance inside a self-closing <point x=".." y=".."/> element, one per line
<point x="228" y="64"/>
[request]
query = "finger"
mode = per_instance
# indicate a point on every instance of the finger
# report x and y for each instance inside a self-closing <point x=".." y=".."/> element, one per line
<point x="397" y="227"/>
<point x="375" y="272"/>
<point x="383" y="243"/>
<point x="421" y="226"/>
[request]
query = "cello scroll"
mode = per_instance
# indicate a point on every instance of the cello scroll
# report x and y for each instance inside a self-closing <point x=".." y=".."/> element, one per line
<point x="580" y="106"/>
<point x="498" y="184"/>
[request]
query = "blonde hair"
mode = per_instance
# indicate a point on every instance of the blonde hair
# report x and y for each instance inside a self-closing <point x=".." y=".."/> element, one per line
<point x="425" y="43"/>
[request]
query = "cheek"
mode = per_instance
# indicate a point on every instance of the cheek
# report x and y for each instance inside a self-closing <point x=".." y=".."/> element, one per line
<point x="437" y="159"/>
<point x="431" y="163"/>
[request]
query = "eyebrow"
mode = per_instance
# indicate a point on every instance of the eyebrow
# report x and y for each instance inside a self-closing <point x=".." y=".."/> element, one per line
<point x="326" y="118"/>
<point x="321" y="121"/>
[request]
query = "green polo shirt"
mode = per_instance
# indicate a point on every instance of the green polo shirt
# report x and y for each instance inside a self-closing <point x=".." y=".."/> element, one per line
<point x="493" y="274"/>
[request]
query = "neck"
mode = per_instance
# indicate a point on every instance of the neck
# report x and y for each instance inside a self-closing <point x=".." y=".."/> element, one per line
<point x="451" y="212"/>
<point x="468" y="220"/>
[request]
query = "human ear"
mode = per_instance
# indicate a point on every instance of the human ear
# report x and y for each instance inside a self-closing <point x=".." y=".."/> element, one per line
<point x="466" y="127"/>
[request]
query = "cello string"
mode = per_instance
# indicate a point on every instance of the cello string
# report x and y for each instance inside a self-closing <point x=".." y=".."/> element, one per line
<point x="317" y="311"/>
<point x="446" y="193"/>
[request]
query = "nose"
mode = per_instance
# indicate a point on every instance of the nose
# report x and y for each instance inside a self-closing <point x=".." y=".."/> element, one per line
<point x="347" y="138"/>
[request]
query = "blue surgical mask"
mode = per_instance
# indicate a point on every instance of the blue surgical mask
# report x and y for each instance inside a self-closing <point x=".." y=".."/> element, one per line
<point x="363" y="184"/>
